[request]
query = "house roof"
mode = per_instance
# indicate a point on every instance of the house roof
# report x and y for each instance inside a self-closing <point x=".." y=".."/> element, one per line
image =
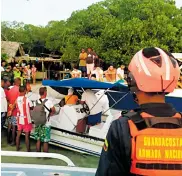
<point x="11" y="48"/>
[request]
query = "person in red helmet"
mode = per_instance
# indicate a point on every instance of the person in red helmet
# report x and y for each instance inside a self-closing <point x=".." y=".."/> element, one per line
<point x="147" y="141"/>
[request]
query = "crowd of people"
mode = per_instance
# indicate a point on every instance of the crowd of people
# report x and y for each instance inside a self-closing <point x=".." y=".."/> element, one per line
<point x="91" y="66"/>
<point x="17" y="110"/>
<point x="24" y="72"/>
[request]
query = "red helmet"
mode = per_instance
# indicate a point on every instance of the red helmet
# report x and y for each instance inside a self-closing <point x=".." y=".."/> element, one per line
<point x="158" y="73"/>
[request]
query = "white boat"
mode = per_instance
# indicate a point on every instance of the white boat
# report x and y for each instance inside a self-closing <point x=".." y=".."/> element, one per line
<point x="64" y="123"/>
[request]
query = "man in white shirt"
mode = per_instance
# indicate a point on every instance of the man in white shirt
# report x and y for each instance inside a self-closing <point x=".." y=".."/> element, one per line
<point x="4" y="105"/>
<point x="2" y="69"/>
<point x="76" y="73"/>
<point x="99" y="73"/>
<point x="42" y="132"/>
<point x="120" y="73"/>
<point x="95" y="107"/>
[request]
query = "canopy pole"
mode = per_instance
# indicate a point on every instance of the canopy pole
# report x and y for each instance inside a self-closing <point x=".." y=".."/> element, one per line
<point x="112" y="97"/>
<point x="116" y="102"/>
<point x="99" y="99"/>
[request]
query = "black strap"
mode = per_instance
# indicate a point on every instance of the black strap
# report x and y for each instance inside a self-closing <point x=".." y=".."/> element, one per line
<point x="155" y="122"/>
<point x="68" y="99"/>
<point x="44" y="104"/>
<point x="137" y="120"/>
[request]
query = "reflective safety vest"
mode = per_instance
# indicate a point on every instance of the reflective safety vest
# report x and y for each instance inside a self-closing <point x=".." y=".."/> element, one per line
<point x="156" y="145"/>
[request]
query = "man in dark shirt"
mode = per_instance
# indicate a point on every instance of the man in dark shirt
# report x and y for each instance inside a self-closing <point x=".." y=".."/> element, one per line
<point x="8" y="74"/>
<point x="152" y="74"/>
<point x="91" y="55"/>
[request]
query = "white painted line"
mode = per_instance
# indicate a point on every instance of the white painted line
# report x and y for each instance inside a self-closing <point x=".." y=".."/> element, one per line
<point x="45" y="167"/>
<point x="38" y="155"/>
<point x="18" y="173"/>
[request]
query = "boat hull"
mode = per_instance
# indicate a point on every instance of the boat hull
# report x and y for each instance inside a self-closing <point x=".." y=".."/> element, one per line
<point x="75" y="141"/>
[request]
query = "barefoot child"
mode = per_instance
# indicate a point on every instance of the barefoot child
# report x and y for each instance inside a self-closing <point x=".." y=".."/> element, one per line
<point x="24" y="121"/>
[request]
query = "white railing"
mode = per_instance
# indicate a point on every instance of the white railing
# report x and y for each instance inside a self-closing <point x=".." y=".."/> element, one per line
<point x="39" y="155"/>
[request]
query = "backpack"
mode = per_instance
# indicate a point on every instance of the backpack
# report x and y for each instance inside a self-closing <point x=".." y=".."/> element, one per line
<point x="156" y="145"/>
<point x="38" y="114"/>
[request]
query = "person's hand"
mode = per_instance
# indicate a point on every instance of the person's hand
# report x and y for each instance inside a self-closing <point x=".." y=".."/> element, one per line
<point x="10" y="106"/>
<point x="9" y="113"/>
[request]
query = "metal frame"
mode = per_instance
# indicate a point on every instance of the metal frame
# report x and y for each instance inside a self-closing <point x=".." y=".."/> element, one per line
<point x="39" y="155"/>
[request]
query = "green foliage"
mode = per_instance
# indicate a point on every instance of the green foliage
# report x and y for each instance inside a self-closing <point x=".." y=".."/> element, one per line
<point x="4" y="56"/>
<point x="115" y="29"/>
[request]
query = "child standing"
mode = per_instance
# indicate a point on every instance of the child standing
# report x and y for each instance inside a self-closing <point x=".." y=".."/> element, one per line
<point x="24" y="121"/>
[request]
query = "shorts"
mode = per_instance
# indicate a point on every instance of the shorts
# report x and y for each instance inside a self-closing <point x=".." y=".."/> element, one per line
<point x="42" y="133"/>
<point x="94" y="119"/>
<point x="25" y="128"/>
<point x="83" y="68"/>
<point x="12" y="120"/>
<point x="3" y="119"/>
<point x="90" y="68"/>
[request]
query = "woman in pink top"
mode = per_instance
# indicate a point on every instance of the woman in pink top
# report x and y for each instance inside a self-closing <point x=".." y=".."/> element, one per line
<point x="34" y="70"/>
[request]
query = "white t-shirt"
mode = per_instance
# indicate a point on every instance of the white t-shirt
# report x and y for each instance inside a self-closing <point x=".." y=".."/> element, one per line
<point x="49" y="105"/>
<point x="21" y="111"/>
<point x="29" y="73"/>
<point x="99" y="73"/>
<point x="4" y="103"/>
<point x="76" y="73"/>
<point x="90" y="99"/>
<point x="2" y="69"/>
<point x="104" y="101"/>
<point x="119" y="72"/>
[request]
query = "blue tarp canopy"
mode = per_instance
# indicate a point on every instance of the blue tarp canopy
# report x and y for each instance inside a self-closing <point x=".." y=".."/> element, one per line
<point x="119" y="91"/>
<point x="84" y="83"/>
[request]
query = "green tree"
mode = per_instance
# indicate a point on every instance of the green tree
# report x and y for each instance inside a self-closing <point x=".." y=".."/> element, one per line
<point x="115" y="29"/>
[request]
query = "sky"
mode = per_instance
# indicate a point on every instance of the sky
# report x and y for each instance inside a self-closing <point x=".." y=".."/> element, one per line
<point x="40" y="12"/>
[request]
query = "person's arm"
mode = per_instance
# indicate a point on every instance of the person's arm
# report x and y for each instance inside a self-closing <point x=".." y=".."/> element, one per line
<point x="83" y="99"/>
<point x="112" y="160"/>
<point x="30" y="104"/>
<point x="119" y="75"/>
<point x="53" y="110"/>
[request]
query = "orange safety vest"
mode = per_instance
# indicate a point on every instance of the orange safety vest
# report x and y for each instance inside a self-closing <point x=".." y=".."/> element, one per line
<point x="157" y="149"/>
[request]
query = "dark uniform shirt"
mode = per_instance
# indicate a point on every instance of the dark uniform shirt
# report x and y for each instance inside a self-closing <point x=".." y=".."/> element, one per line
<point x="115" y="159"/>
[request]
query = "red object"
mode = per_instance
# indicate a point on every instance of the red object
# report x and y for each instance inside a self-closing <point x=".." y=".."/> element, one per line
<point x="13" y="94"/>
<point x="81" y="126"/>
<point x="26" y="128"/>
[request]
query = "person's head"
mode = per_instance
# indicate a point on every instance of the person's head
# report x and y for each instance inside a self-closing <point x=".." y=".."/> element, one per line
<point x="33" y="66"/>
<point x="70" y="91"/>
<point x="17" y="81"/>
<point x="28" y="66"/>
<point x="25" y="68"/>
<point x="93" y="77"/>
<point x="14" y="68"/>
<point x="3" y="63"/>
<point x="2" y="82"/>
<point x="22" y="90"/>
<point x="152" y="74"/>
<point x="111" y="67"/>
<point x="17" y="68"/>
<point x="8" y="68"/>
<point x="43" y="92"/>
<point x="122" y="67"/>
<point x="7" y="83"/>
<point x="75" y="67"/>
<point x="83" y="50"/>
<point x="89" y="49"/>
<point x="97" y="62"/>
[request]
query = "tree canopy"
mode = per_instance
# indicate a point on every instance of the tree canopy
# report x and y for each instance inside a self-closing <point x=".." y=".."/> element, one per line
<point x="115" y="29"/>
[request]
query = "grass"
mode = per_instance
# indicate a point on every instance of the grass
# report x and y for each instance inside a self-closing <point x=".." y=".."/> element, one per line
<point x="80" y="160"/>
